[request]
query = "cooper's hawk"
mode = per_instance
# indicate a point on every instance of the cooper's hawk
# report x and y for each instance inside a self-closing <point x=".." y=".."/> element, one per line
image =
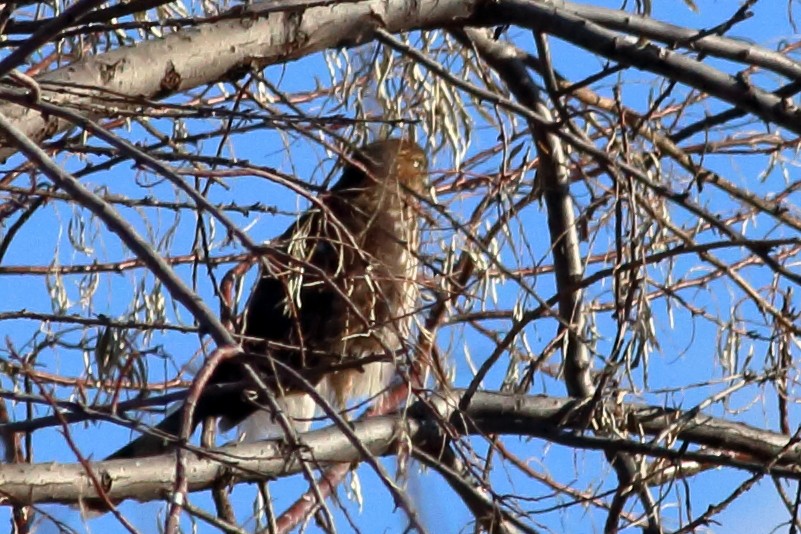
<point x="340" y="285"/>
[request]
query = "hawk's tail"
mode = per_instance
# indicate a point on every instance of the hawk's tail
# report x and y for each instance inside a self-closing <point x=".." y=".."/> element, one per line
<point x="158" y="440"/>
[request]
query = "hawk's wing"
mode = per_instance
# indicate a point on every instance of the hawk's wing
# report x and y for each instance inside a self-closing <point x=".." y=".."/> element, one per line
<point x="339" y="286"/>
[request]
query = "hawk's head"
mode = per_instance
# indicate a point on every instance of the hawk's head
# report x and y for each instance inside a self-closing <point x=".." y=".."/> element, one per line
<point x="387" y="161"/>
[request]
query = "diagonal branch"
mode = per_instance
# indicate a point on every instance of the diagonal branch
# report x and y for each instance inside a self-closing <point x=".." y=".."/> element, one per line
<point x="223" y="49"/>
<point x="562" y="23"/>
<point x="554" y="177"/>
<point x="105" y="212"/>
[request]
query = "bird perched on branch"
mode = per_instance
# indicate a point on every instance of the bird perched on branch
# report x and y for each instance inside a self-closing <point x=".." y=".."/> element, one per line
<point x="338" y="286"/>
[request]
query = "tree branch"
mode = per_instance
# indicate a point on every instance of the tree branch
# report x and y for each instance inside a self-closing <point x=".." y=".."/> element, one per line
<point x="254" y="37"/>
<point x="550" y="418"/>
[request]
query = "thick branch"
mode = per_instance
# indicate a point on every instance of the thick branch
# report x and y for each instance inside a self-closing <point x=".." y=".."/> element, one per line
<point x="560" y="22"/>
<point x="550" y="418"/>
<point x="224" y="49"/>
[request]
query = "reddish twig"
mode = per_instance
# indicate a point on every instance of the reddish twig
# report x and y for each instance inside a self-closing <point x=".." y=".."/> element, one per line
<point x="187" y="426"/>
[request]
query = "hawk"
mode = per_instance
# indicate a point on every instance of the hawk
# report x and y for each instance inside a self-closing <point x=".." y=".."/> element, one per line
<point x="339" y="286"/>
